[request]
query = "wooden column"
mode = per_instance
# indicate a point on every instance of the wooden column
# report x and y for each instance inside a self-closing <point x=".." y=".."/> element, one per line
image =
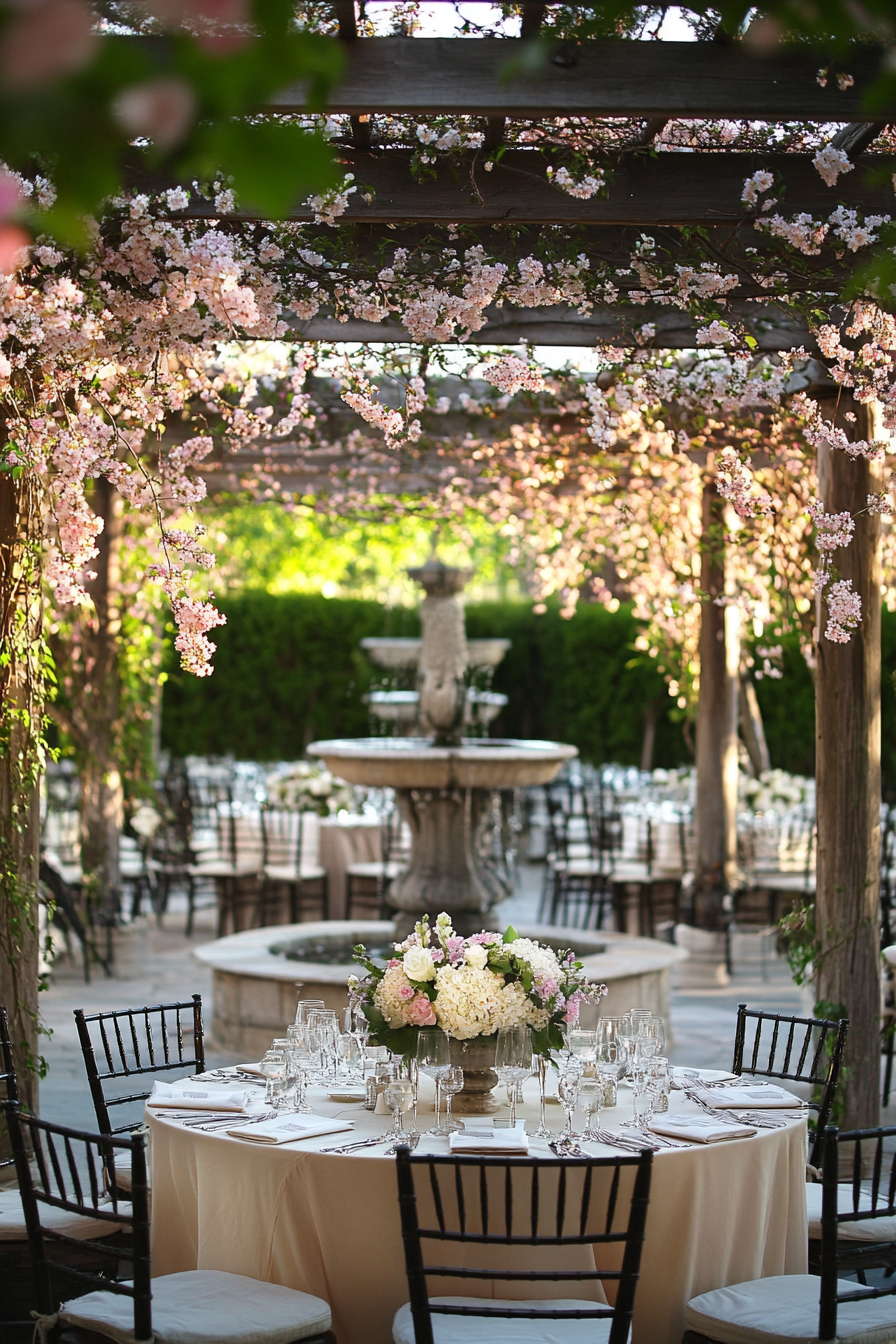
<point x="717" y="714"/>
<point x="847" y="770"/>
<point x="21" y="708"/>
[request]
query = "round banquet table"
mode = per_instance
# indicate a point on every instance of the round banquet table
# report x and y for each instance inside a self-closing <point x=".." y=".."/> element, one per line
<point x="328" y="1224"/>
<point x="342" y="843"/>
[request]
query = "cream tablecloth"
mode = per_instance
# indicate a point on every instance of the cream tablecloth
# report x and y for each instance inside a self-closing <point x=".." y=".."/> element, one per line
<point x="342" y="843"/>
<point x="328" y="1224"/>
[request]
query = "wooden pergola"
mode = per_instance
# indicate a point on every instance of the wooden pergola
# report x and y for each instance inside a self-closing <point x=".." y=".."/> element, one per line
<point x="640" y="89"/>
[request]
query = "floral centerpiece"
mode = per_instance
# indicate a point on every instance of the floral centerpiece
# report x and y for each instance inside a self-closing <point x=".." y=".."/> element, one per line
<point x="471" y="987"/>
<point x="304" y="787"/>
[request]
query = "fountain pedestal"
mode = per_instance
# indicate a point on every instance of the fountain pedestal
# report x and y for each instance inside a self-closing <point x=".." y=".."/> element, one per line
<point x="446" y="871"/>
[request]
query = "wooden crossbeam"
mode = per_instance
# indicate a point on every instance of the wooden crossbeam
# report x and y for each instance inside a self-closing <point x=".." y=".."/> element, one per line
<point x="772" y="329"/>
<point x="599" y="79"/>
<point x="645" y="190"/>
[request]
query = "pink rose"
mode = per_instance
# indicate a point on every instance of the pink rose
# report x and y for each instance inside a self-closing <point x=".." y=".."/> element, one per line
<point x="420" y="1013"/>
<point x="393" y="963"/>
<point x="406" y="992"/>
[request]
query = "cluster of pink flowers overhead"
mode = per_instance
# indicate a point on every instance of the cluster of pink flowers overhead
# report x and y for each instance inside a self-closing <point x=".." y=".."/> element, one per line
<point x="511" y="373"/>
<point x="734" y="481"/>
<point x="844" y="612"/>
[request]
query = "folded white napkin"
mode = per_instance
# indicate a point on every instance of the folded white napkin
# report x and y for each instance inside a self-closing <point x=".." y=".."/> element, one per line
<point x="249" y="1068"/>
<point x="698" y="1128"/>
<point x="687" y="1076"/>
<point x="288" y="1128"/>
<point x="750" y="1096"/>
<point x="488" y="1140"/>
<point x="187" y="1098"/>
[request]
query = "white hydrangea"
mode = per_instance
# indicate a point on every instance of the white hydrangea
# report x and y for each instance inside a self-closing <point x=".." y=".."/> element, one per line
<point x="467" y="1001"/>
<point x="543" y="960"/>
<point x="388" y="997"/>
<point x="514" y="1009"/>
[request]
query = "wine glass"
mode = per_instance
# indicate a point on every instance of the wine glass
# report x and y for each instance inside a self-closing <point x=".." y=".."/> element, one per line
<point x="273" y="1070"/>
<point x="399" y="1097"/>
<point x="540" y="1069"/>
<point x="452" y="1083"/>
<point x="434" y="1059"/>
<point x="582" y="1045"/>
<point x="652" y="1034"/>
<point x="610" y="1067"/>
<point x="513" y="1061"/>
<point x="306" y="1006"/>
<point x="568" y="1091"/>
<point x="591" y="1097"/>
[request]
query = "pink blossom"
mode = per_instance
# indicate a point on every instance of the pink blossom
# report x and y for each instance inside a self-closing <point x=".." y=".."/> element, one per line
<point x="406" y="991"/>
<point x="420" y="1012"/>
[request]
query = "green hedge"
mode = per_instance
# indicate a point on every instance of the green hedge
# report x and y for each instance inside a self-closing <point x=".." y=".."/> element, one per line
<point x="289" y="669"/>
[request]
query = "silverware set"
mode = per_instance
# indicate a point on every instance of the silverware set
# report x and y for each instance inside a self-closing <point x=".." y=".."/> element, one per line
<point x="729" y="1118"/>
<point x="210" y="1123"/>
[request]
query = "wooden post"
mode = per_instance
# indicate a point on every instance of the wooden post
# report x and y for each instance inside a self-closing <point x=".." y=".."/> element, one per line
<point x="717" y="714"/>
<point x="847" y="770"/>
<point x="21" y="710"/>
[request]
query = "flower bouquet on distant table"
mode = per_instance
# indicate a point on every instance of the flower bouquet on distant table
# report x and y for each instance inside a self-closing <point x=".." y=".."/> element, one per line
<point x="471" y="987"/>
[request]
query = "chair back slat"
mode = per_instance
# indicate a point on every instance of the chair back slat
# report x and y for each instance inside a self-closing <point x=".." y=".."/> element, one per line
<point x="578" y="1203"/>
<point x="43" y="1184"/>
<point x="137" y="1043"/>
<point x="824" y="1038"/>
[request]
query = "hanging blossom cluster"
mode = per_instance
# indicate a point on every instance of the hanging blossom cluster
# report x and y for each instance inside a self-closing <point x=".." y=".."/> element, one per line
<point x="844" y="612"/>
<point x="734" y="481"/>
<point x="98" y="355"/>
<point x="511" y="373"/>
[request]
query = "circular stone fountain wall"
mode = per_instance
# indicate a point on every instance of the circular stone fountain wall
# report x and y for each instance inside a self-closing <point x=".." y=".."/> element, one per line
<point x="254" y="984"/>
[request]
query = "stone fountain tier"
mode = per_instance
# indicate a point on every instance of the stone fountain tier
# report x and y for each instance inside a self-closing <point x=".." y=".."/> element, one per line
<point x="254" y="987"/>
<point x="399" y="653"/>
<point x="403" y="707"/>
<point x="414" y="763"/>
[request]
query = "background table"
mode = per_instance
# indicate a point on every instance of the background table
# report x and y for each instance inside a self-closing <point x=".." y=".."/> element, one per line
<point x="328" y="1224"/>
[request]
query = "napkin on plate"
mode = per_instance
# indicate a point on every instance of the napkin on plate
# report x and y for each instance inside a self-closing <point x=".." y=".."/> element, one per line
<point x="288" y="1128"/>
<point x="686" y="1077"/>
<point x="699" y="1128"/>
<point x="749" y="1096"/>
<point x="487" y="1140"/>
<point x="187" y="1098"/>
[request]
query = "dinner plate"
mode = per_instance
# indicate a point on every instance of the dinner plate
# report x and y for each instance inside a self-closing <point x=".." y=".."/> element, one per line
<point x="347" y="1094"/>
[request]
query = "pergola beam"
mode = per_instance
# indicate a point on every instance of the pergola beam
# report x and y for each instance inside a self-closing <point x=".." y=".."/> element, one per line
<point x="420" y="76"/>
<point x="560" y="325"/>
<point x="645" y="190"/>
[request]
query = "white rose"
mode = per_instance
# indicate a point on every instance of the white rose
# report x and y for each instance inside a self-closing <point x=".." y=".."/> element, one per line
<point x="418" y="964"/>
<point x="476" y="956"/>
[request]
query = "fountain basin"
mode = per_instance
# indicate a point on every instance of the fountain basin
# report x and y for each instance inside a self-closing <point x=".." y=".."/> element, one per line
<point x="254" y="988"/>
<point x="401" y="652"/>
<point x="404" y="706"/>
<point x="413" y="763"/>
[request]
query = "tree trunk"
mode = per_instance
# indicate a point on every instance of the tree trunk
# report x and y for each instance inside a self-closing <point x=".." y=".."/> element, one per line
<point x="648" y="741"/>
<point x="716" y="819"/>
<point x="751" y="726"/>
<point x="847" y="756"/>
<point x="21" y="717"/>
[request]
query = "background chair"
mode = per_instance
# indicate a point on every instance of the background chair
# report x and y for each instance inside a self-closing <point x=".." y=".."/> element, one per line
<point x="133" y="1043"/>
<point x="796" y="1050"/>
<point x="521" y="1203"/>
<point x="809" y="1307"/>
<point x="197" y="1306"/>
<point x="368" y="881"/>
<point x="287" y="867"/>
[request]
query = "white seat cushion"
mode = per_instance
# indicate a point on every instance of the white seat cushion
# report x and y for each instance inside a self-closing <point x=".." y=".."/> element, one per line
<point x="784" y="1310"/>
<point x="206" y="1306"/>
<point x="495" y="1329"/>
<point x="12" y="1221"/>
<point x="376" y="868"/>
<point x="874" y="1229"/>
<point x="285" y="872"/>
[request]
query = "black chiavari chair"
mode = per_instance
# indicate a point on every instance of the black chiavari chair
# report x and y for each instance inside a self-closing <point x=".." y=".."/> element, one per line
<point x="133" y="1044"/>
<point x="68" y="1174"/>
<point x="796" y="1050"/>
<point x="7" y="1062"/>
<point x="286" y="868"/>
<point x="825" y="1307"/>
<point x="530" y="1207"/>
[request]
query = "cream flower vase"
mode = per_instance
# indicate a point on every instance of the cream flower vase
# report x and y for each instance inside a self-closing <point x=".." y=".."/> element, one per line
<point x="477" y="1058"/>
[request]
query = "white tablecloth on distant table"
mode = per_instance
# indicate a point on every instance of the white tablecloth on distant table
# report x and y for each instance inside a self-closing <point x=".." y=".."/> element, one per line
<point x="342" y="843"/>
<point x="329" y="1224"/>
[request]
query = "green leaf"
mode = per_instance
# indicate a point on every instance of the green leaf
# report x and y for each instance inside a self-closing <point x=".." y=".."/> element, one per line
<point x="510" y="934"/>
<point x="273" y="167"/>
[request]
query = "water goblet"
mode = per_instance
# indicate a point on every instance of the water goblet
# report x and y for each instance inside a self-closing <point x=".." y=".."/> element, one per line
<point x="540" y="1068"/>
<point x="591" y="1097"/>
<point x="434" y="1059"/>
<point x="513" y="1061"/>
<point x="307" y="1006"/>
<point x="452" y="1083"/>
<point x="568" y="1092"/>
<point x="273" y="1070"/>
<point x="581" y="1044"/>
<point x="610" y="1062"/>
<point x="399" y="1097"/>
<point x="652" y="1033"/>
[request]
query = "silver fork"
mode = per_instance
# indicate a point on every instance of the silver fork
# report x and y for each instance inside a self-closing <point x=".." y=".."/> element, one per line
<point x="407" y="1141"/>
<point x="361" y="1143"/>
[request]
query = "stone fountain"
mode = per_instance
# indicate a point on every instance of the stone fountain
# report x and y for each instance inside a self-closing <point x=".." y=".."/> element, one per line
<point x="443" y="781"/>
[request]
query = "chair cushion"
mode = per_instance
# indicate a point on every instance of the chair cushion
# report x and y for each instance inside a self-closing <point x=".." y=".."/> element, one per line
<point x="206" y="1306"/>
<point x="495" y="1329"/>
<point x="872" y="1229"/>
<point x="783" y="1310"/>
<point x="286" y="872"/>
<point x="12" y="1221"/>
<point x="376" y="868"/>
